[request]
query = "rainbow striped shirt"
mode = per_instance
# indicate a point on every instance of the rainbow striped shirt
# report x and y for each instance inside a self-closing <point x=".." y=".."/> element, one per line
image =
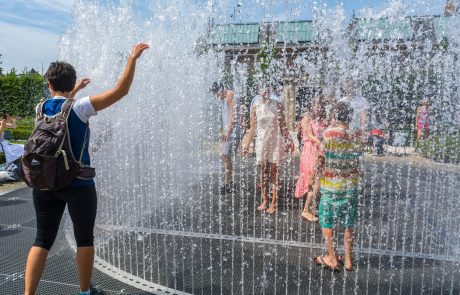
<point x="340" y="177"/>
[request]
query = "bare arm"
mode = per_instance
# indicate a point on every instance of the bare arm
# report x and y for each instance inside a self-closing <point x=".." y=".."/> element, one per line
<point x="308" y="132"/>
<point x="283" y="128"/>
<point x="106" y="99"/>
<point x="232" y="106"/>
<point x="2" y="125"/>
<point x="79" y="86"/>
<point x="282" y="123"/>
<point x="252" y="131"/>
<point x="364" y="118"/>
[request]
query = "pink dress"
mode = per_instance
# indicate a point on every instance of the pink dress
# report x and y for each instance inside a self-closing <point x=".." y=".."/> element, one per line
<point x="308" y="159"/>
<point x="423" y="119"/>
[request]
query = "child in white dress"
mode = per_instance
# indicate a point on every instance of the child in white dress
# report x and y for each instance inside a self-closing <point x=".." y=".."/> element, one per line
<point x="272" y="142"/>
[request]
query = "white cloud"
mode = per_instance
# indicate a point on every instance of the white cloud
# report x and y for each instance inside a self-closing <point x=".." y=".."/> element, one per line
<point x="24" y="46"/>
<point x="58" y="5"/>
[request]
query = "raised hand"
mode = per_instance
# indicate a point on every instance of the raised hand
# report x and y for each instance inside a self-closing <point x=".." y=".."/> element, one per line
<point x="82" y="83"/>
<point x="79" y="86"/>
<point x="137" y="50"/>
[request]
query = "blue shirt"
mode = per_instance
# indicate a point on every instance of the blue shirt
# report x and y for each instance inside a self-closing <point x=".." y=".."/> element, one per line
<point x="78" y="125"/>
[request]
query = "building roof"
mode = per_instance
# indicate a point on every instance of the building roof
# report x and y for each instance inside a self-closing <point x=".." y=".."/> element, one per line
<point x="294" y="32"/>
<point x="235" y="34"/>
<point x="443" y="26"/>
<point x="383" y="29"/>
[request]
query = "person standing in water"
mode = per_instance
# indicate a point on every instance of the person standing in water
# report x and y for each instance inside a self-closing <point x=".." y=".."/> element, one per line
<point x="339" y="179"/>
<point x="272" y="141"/>
<point x="422" y="119"/>
<point x="80" y="197"/>
<point x="228" y="131"/>
<point x="313" y="124"/>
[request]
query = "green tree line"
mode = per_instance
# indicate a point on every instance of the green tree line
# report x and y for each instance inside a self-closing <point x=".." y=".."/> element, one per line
<point x="20" y="93"/>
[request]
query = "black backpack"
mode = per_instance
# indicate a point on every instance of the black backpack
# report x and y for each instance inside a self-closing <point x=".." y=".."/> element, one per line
<point x="48" y="162"/>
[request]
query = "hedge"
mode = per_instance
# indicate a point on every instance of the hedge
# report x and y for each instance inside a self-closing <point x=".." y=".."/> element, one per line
<point x="21" y="133"/>
<point x="20" y="93"/>
<point x="441" y="148"/>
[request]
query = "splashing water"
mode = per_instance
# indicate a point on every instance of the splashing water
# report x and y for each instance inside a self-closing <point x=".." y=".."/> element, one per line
<point x="161" y="220"/>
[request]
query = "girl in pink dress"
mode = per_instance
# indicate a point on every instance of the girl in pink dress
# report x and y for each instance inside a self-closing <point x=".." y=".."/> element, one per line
<point x="313" y="125"/>
<point x="423" y="120"/>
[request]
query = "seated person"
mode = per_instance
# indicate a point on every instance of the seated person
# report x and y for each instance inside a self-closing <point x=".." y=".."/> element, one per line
<point x="12" y="151"/>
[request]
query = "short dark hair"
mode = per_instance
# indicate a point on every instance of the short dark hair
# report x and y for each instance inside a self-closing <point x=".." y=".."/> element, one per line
<point x="62" y="76"/>
<point x="344" y="112"/>
<point x="216" y="87"/>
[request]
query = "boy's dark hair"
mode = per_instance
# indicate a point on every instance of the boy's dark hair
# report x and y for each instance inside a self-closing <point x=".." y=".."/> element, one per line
<point x="216" y="87"/>
<point x="343" y="112"/>
<point x="61" y="76"/>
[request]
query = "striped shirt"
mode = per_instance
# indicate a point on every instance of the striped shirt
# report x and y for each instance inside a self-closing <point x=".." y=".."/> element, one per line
<point x="340" y="177"/>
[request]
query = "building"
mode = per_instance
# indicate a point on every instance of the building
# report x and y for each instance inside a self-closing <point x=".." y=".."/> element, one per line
<point x="303" y="40"/>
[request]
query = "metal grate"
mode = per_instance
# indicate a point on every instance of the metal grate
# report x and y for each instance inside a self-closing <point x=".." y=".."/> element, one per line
<point x="17" y="233"/>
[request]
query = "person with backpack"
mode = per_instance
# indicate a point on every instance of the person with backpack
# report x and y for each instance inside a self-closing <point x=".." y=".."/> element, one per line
<point x="56" y="164"/>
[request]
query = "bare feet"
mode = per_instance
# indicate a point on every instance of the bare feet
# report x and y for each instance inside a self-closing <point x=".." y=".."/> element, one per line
<point x="309" y="216"/>
<point x="346" y="261"/>
<point x="327" y="263"/>
<point x="262" y="206"/>
<point x="272" y="209"/>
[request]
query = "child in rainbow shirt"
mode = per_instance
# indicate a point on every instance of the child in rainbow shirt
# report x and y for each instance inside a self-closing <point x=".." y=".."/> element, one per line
<point x="340" y="177"/>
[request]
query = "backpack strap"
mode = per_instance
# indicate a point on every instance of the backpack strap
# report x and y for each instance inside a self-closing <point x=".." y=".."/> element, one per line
<point x="85" y="142"/>
<point x="66" y="108"/>
<point x="65" y="112"/>
<point x="39" y="110"/>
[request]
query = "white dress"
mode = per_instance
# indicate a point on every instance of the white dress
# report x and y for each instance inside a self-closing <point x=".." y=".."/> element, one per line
<point x="269" y="141"/>
<point x="12" y="151"/>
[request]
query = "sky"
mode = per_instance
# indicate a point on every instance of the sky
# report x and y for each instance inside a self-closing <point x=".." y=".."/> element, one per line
<point x="30" y="30"/>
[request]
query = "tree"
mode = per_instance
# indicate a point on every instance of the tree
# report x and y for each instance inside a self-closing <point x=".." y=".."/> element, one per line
<point x="20" y="93"/>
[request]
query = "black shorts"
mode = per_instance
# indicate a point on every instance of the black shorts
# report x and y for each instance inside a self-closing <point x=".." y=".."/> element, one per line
<point x="49" y="207"/>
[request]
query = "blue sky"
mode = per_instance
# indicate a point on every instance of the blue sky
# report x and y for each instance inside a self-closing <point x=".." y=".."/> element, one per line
<point x="30" y="29"/>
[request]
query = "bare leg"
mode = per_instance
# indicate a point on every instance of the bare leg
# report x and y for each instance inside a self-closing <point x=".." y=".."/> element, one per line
<point x="419" y="135"/>
<point x="307" y="212"/>
<point x="228" y="167"/>
<point x="331" y="258"/>
<point x="275" y="181"/>
<point x="348" y="246"/>
<point x="85" y="260"/>
<point x="316" y="185"/>
<point x="265" y="186"/>
<point x="36" y="262"/>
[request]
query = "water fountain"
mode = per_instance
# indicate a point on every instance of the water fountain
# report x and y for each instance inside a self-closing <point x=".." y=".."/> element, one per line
<point x="162" y="222"/>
